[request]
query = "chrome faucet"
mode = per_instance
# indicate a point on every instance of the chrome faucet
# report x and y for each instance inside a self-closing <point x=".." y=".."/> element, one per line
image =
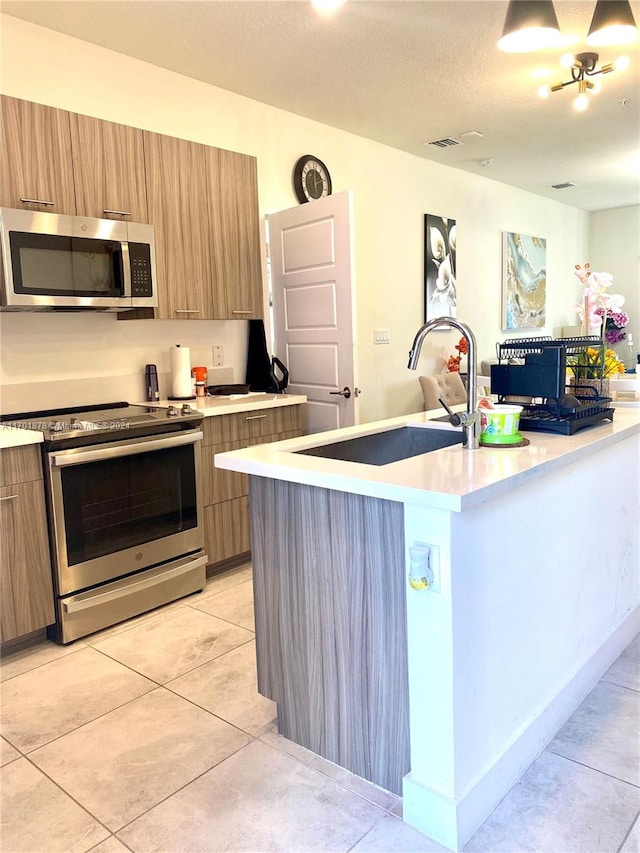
<point x="471" y="419"/>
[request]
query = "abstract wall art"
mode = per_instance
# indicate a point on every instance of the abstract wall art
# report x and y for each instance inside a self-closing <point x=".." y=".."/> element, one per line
<point x="524" y="281"/>
<point x="439" y="267"/>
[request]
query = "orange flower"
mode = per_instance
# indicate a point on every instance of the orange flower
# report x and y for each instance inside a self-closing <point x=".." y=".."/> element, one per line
<point x="453" y="364"/>
<point x="462" y="346"/>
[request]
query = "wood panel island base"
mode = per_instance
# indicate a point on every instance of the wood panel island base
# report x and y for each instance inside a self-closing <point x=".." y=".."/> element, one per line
<point x="535" y="568"/>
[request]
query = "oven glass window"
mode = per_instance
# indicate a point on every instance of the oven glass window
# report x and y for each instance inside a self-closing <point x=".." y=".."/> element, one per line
<point x="45" y="264"/>
<point x="124" y="502"/>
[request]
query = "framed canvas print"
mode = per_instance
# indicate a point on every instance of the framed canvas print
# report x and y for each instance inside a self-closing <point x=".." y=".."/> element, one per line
<point x="524" y="281"/>
<point x="439" y="267"/>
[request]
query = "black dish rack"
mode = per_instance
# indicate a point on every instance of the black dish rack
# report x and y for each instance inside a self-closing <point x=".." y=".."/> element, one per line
<point x="537" y="368"/>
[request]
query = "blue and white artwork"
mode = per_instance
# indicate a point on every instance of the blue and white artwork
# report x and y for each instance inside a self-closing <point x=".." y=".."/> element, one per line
<point x="524" y="281"/>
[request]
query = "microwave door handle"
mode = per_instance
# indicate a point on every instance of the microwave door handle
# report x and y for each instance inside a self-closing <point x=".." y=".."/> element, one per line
<point x="126" y="269"/>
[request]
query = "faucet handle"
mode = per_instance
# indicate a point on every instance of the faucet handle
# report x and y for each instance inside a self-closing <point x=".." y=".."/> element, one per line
<point x="467" y="419"/>
<point x="455" y="419"/>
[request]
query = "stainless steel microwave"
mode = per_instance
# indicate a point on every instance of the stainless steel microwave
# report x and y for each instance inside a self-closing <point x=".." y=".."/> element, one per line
<point x="52" y="262"/>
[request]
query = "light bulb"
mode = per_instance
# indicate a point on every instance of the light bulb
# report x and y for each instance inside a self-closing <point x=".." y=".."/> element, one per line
<point x="613" y="36"/>
<point x="621" y="63"/>
<point x="530" y="39"/>
<point x="567" y="60"/>
<point x="326" y="7"/>
<point x="581" y="102"/>
<point x="596" y="87"/>
<point x="544" y="91"/>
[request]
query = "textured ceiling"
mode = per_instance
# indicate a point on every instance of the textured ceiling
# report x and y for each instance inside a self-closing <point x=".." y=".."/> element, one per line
<point x="401" y="72"/>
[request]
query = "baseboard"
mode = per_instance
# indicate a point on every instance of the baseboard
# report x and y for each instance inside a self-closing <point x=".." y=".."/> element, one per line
<point x="452" y="822"/>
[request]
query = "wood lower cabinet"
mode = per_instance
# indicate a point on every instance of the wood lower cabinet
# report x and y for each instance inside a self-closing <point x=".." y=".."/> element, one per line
<point x="36" y="169"/>
<point x="225" y="493"/>
<point x="26" y="597"/>
<point x="109" y="171"/>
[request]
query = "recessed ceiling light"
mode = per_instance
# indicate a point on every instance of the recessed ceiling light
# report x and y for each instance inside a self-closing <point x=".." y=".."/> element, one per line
<point x="489" y="162"/>
<point x="469" y="135"/>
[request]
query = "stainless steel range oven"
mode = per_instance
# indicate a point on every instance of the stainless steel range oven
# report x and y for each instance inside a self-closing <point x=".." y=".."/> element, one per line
<point x="125" y="511"/>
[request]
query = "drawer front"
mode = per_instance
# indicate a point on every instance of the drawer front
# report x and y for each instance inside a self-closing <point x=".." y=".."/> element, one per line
<point x="20" y="465"/>
<point x="226" y="529"/>
<point x="219" y="484"/>
<point x="253" y="424"/>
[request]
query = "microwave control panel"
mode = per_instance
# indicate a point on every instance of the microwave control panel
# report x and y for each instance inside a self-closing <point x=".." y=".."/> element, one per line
<point x="140" y="260"/>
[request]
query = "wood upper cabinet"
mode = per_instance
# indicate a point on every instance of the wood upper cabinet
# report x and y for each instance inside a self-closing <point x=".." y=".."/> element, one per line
<point x="26" y="603"/>
<point x="36" y="171"/>
<point x="233" y="206"/>
<point x="109" y="169"/>
<point x="177" y="197"/>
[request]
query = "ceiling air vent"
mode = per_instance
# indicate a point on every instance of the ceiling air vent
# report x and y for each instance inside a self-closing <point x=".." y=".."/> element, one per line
<point x="564" y="186"/>
<point x="447" y="142"/>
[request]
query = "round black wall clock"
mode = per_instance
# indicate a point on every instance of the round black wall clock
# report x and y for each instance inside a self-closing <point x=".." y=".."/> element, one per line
<point x="311" y="179"/>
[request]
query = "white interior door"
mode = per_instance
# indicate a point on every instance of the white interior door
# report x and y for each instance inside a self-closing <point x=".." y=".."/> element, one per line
<point x="312" y="283"/>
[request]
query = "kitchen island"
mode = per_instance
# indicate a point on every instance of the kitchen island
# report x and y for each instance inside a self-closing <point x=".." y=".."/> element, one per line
<point x="445" y="693"/>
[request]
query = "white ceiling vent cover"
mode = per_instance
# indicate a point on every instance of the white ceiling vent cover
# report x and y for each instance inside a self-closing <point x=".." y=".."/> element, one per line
<point x="447" y="142"/>
<point x="564" y="186"/>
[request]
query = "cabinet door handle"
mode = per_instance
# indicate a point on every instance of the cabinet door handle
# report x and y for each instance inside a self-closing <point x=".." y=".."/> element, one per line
<point x="117" y="212"/>
<point x="9" y="497"/>
<point x="238" y="311"/>
<point x="255" y="417"/>
<point x="37" y="201"/>
<point x="187" y="310"/>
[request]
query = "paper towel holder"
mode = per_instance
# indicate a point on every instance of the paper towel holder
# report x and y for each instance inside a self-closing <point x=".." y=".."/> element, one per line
<point x="187" y="376"/>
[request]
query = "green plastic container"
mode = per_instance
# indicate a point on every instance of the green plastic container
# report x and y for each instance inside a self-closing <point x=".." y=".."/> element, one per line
<point x="500" y="424"/>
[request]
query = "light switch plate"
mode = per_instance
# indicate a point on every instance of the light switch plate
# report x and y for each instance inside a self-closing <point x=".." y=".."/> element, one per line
<point x="381" y="336"/>
<point x="218" y="356"/>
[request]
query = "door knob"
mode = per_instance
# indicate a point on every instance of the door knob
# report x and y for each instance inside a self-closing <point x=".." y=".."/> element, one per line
<point x="346" y="392"/>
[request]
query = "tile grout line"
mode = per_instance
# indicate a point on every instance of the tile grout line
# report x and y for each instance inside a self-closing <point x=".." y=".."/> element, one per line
<point x="595" y="769"/>
<point x="330" y="779"/>
<point x="181" y="788"/>
<point x="71" y="797"/>
<point x="624" y="840"/>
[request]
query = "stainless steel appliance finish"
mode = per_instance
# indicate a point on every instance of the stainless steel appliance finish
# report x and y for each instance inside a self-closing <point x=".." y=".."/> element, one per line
<point x="53" y="262"/>
<point x="125" y="510"/>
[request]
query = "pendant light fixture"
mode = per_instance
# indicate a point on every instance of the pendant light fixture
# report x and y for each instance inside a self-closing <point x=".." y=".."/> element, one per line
<point x="530" y="25"/>
<point x="612" y="23"/>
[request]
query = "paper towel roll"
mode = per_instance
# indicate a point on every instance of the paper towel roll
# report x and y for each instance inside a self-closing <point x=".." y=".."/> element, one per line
<point x="180" y="372"/>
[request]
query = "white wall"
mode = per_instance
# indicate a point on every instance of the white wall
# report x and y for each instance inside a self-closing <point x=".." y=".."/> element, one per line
<point x="393" y="190"/>
<point x="614" y="246"/>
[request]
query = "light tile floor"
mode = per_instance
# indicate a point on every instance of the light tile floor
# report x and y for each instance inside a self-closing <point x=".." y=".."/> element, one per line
<point x="151" y="736"/>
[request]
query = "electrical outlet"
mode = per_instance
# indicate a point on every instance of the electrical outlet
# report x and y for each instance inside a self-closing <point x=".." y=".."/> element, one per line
<point x="218" y="356"/>
<point x="381" y="336"/>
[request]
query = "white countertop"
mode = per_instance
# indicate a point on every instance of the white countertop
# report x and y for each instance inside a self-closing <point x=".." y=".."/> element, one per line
<point x="452" y="478"/>
<point x="15" y="437"/>
<point x="219" y="405"/>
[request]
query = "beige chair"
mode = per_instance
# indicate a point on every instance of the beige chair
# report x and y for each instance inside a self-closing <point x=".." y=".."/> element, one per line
<point x="448" y="386"/>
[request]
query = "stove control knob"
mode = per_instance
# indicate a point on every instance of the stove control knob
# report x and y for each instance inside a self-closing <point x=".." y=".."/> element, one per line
<point x="172" y="412"/>
<point x="56" y="426"/>
<point x="186" y="409"/>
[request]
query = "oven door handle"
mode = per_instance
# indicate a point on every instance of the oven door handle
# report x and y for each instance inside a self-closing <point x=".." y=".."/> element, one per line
<point x="84" y="602"/>
<point x="81" y="456"/>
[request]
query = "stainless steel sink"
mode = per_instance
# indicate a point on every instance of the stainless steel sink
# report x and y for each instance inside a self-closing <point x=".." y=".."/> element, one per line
<point x="382" y="448"/>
